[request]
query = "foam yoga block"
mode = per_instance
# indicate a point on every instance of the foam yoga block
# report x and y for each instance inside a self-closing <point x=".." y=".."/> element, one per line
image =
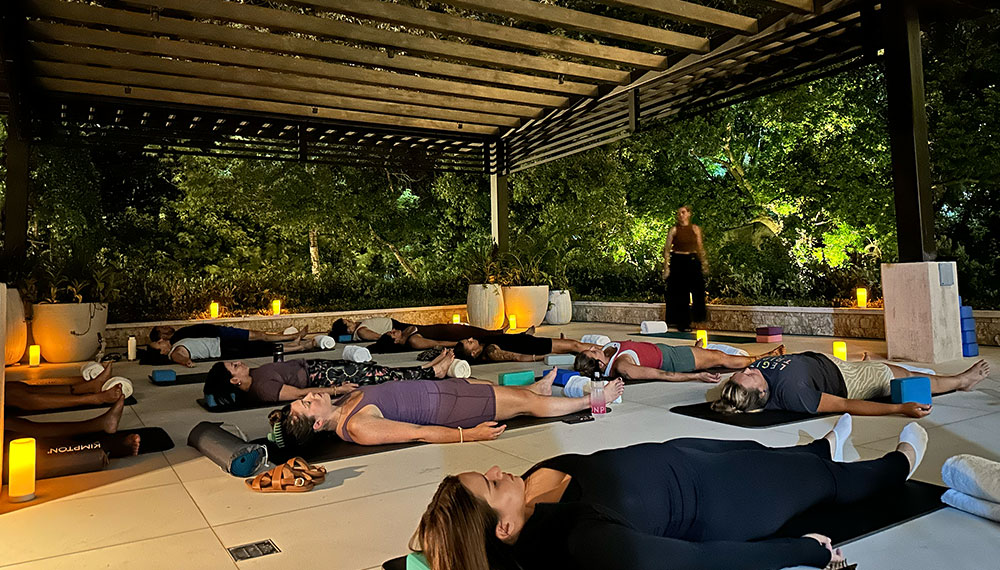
<point x="912" y="389"/>
<point x="595" y="339"/>
<point x="560" y="359"/>
<point x="970" y="350"/>
<point x="968" y="337"/>
<point x="416" y="561"/>
<point x="226" y="450"/>
<point x="968" y="324"/>
<point x="652" y="327"/>
<point x="520" y="378"/>
<point x="562" y="375"/>
<point x="769" y="338"/>
<point x="344" y="338"/>
<point x="769" y="331"/>
<point x="966" y="312"/>
<point x="163" y="376"/>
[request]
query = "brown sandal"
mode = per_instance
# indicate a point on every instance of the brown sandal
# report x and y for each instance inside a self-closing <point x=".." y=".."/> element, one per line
<point x="281" y="479"/>
<point x="317" y="473"/>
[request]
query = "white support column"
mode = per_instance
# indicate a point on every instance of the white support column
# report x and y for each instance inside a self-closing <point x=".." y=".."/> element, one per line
<point x="922" y="317"/>
<point x="499" y="210"/>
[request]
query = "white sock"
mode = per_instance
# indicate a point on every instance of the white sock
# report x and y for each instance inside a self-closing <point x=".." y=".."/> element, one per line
<point x="915" y="435"/>
<point x="841" y="432"/>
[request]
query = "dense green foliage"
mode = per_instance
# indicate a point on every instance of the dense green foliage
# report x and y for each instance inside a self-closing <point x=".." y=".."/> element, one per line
<point x="792" y="191"/>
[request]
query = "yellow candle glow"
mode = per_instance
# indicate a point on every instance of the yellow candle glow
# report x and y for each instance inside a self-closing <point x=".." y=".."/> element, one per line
<point x="513" y="321"/>
<point x="213" y="310"/>
<point x="21" y="478"/>
<point x="840" y="349"/>
<point x="456" y="318"/>
<point x="701" y="335"/>
<point x="34" y="355"/>
<point x="862" y="297"/>
<point x="690" y="298"/>
<point x="276" y="307"/>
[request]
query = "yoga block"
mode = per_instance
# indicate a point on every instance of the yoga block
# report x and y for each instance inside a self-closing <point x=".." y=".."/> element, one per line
<point x="562" y="375"/>
<point x="968" y="324"/>
<point x="769" y="338"/>
<point x="969" y="337"/>
<point x="560" y="359"/>
<point x="769" y="331"/>
<point x="966" y="312"/>
<point x="970" y="349"/>
<point x="164" y="376"/>
<point x="344" y="338"/>
<point x="416" y="561"/>
<point x="520" y="378"/>
<point x="912" y="389"/>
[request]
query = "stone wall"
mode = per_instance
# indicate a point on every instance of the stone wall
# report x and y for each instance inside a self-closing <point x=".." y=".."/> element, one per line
<point x="818" y="321"/>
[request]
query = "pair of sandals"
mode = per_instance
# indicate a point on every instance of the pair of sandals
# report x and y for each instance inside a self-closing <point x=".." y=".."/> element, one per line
<point x="293" y="476"/>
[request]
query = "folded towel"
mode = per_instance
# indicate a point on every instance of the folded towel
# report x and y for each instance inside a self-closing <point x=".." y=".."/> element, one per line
<point x="91" y="370"/>
<point x="324" y="342"/>
<point x="973" y="476"/>
<point x="578" y="386"/>
<point x="912" y="368"/>
<point x="357" y="354"/>
<point x="648" y="327"/>
<point x="727" y="349"/>
<point x="595" y="339"/>
<point x="125" y="383"/>
<point x="972" y="505"/>
<point x="459" y="369"/>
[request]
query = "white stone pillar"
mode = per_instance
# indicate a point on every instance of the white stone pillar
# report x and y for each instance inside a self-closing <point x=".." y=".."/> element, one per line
<point x="922" y="319"/>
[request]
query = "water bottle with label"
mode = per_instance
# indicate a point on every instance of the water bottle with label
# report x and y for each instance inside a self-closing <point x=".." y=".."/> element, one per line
<point x="133" y="347"/>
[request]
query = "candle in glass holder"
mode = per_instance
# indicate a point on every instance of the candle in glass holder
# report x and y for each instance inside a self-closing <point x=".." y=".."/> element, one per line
<point x="840" y="349"/>
<point x="213" y="310"/>
<point x="34" y="355"/>
<point x="21" y="477"/>
<point x="456" y="318"/>
<point x="513" y="321"/>
<point x="702" y="337"/>
<point x="862" y="297"/>
<point x="276" y="307"/>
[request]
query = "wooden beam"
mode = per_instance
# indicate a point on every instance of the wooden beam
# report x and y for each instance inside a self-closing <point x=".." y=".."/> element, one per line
<point x="797" y="6"/>
<point x="228" y="85"/>
<point x="691" y="13"/>
<point x="559" y="17"/>
<point x="485" y="31"/>
<point x="291" y="46"/>
<point x="288" y="110"/>
<point x="338" y="29"/>
<point x="371" y="82"/>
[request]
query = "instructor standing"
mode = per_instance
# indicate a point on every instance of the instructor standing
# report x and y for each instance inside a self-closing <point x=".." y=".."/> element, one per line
<point x="684" y="265"/>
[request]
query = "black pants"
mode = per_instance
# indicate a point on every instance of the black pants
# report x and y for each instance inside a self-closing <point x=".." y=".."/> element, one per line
<point x="686" y="285"/>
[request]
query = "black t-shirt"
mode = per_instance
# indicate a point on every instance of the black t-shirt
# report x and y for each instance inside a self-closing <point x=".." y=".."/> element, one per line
<point x="796" y="381"/>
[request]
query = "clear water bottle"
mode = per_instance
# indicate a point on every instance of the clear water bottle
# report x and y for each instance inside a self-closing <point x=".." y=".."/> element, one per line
<point x="133" y="347"/>
<point x="279" y="352"/>
<point x="598" y="406"/>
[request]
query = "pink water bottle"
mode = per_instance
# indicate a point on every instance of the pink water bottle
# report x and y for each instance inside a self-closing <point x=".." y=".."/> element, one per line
<point x="598" y="405"/>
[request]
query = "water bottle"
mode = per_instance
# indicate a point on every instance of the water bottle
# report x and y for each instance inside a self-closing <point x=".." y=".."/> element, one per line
<point x="133" y="347"/>
<point x="279" y="352"/>
<point x="597" y="404"/>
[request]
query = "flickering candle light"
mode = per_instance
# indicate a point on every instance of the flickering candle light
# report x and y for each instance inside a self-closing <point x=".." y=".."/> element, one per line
<point x="21" y="478"/>
<point x="456" y="318"/>
<point x="513" y="321"/>
<point x="690" y="298"/>
<point x="34" y="355"/>
<point x="702" y="336"/>
<point x="213" y="310"/>
<point x="840" y="349"/>
<point x="276" y="307"/>
<point x="862" y="297"/>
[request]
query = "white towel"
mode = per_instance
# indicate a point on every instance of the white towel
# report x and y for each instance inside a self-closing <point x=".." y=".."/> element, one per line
<point x="727" y="349"/>
<point x="91" y="370"/>
<point x="324" y="342"/>
<point x="652" y="327"/>
<point x="125" y="383"/>
<point x="578" y="385"/>
<point x="595" y="339"/>
<point x="980" y="508"/>
<point x="560" y="359"/>
<point x="912" y="368"/>
<point x="459" y="369"/>
<point x="357" y="354"/>
<point x="973" y="476"/>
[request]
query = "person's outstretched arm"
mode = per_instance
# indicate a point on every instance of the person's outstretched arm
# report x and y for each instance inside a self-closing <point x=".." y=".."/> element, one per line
<point x="182" y="356"/>
<point x="365" y="333"/>
<point x="374" y="430"/>
<point x="828" y="403"/>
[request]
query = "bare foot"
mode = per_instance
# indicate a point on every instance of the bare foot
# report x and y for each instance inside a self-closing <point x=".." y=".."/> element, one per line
<point x="613" y="390"/>
<point x="776" y="351"/>
<point x="974" y="375"/>
<point x="866" y="356"/>
<point x="109" y="396"/>
<point x="700" y="343"/>
<point x="104" y="376"/>
<point x="110" y="418"/>
<point x="442" y="363"/>
<point x="543" y="387"/>
<point x="132" y="442"/>
<point x="303" y="333"/>
<point x="93" y="386"/>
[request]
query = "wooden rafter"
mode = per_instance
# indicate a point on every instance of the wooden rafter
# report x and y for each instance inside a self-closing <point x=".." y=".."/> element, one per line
<point x="691" y="13"/>
<point x="798" y="6"/>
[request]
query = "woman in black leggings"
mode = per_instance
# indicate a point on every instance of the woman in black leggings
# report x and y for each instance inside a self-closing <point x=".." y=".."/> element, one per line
<point x="522" y="347"/>
<point x="682" y="504"/>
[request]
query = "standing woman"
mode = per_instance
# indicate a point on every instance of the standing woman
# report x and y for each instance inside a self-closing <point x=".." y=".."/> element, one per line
<point x="684" y="266"/>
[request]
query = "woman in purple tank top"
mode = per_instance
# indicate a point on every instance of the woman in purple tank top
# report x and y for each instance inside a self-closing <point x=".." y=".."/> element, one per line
<point x="441" y="411"/>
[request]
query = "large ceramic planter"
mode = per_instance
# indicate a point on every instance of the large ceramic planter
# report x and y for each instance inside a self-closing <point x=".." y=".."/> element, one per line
<point x="485" y="304"/>
<point x="17" y="329"/>
<point x="560" y="308"/>
<point x="68" y="332"/>
<point x="528" y="303"/>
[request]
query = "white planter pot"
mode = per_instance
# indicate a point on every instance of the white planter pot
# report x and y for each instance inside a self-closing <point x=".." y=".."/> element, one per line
<point x="68" y="332"/>
<point x="528" y="303"/>
<point x="485" y="306"/>
<point x="17" y="328"/>
<point x="560" y="308"/>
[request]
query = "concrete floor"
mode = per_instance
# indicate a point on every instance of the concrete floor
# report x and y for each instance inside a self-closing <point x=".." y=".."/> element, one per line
<point x="179" y="510"/>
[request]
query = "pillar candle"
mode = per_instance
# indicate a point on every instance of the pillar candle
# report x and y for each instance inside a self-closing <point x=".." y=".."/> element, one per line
<point x="34" y="355"/>
<point x="21" y="477"/>
<point x="276" y="307"/>
<point x="701" y="335"/>
<point x="513" y="321"/>
<point x="862" y="297"/>
<point x="213" y="310"/>
<point x="840" y="349"/>
<point x="456" y="318"/>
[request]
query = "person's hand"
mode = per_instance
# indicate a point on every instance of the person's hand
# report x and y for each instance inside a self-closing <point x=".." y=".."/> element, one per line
<point x="346" y="388"/>
<point x="484" y="431"/>
<point x="836" y="555"/>
<point x="914" y="409"/>
<point x="709" y="377"/>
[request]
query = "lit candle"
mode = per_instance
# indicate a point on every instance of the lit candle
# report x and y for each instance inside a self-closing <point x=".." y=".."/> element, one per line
<point x="702" y="336"/>
<point x="21" y="478"/>
<point x="456" y="318"/>
<point x="690" y="298"/>
<point x="213" y="310"/>
<point x="276" y="307"/>
<point x="862" y="297"/>
<point x="34" y="355"/>
<point x="513" y="321"/>
<point x="840" y="349"/>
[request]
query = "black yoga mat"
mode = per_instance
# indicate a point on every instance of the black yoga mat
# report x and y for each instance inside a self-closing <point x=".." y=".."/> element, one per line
<point x="130" y="401"/>
<point x="843" y="523"/>
<point x="245" y="404"/>
<point x="194" y="378"/>
<point x="712" y="337"/>
<point x="151" y="439"/>
<point x="328" y="447"/>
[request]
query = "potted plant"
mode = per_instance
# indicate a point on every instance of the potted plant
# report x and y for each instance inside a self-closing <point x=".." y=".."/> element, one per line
<point x="484" y="301"/>
<point x="525" y="289"/>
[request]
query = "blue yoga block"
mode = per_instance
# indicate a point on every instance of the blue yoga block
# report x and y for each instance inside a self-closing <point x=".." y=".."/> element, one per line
<point x="520" y="378"/>
<point x="969" y="337"/>
<point x="966" y="312"/>
<point x="159" y="376"/>
<point x="562" y="375"/>
<point x="344" y="338"/>
<point x="912" y="389"/>
<point x="968" y="324"/>
<point x="970" y="349"/>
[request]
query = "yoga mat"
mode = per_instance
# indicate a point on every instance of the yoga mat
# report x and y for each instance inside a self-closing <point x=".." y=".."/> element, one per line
<point x="244" y="404"/>
<point x="130" y="401"/>
<point x="712" y="337"/>
<point x="843" y="523"/>
<point x="195" y="378"/>
<point x="328" y="447"/>
<point x="151" y="439"/>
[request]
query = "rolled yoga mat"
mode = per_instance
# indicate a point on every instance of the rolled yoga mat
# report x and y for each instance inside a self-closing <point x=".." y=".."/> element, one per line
<point x="236" y="456"/>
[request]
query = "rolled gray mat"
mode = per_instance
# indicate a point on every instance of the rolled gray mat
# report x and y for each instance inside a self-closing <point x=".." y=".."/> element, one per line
<point x="235" y="456"/>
